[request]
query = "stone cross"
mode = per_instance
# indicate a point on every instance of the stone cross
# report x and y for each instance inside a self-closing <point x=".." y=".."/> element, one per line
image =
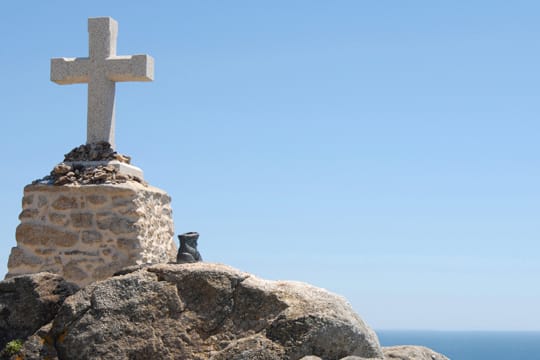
<point x="101" y="70"/>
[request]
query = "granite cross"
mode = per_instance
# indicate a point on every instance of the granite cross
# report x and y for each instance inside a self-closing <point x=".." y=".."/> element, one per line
<point x="101" y="70"/>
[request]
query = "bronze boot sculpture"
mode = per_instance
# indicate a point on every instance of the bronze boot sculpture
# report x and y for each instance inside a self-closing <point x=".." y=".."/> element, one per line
<point x="188" y="252"/>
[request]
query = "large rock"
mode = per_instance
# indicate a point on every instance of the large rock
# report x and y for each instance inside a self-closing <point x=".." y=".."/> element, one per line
<point x="207" y="311"/>
<point x="406" y="352"/>
<point x="29" y="302"/>
<point x="409" y="352"/>
<point x="188" y="311"/>
<point x="351" y="357"/>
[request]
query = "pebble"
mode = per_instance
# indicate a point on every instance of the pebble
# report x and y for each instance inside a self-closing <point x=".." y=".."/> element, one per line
<point x="100" y="151"/>
<point x="64" y="174"/>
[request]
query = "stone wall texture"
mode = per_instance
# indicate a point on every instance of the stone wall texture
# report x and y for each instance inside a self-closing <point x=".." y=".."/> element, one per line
<point x="87" y="233"/>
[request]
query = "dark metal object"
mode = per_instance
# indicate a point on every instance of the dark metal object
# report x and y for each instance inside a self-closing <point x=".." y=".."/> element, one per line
<point x="188" y="252"/>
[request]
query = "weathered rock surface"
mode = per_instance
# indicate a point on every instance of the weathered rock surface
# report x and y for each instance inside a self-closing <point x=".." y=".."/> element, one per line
<point x="409" y="352"/>
<point x="194" y="311"/>
<point x="352" y="357"/>
<point x="406" y="352"/>
<point x="29" y="302"/>
<point x="204" y="311"/>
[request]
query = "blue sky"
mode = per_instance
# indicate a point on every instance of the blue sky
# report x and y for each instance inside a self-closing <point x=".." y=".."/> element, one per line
<point x="384" y="150"/>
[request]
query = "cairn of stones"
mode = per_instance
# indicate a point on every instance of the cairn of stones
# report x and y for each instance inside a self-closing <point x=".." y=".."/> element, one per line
<point x="94" y="214"/>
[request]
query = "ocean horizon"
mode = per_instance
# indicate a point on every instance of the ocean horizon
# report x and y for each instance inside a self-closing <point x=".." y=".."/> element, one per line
<point x="469" y="345"/>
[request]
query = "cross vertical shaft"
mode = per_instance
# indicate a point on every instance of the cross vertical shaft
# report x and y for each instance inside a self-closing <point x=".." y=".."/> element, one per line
<point x="101" y="118"/>
<point x="102" y="35"/>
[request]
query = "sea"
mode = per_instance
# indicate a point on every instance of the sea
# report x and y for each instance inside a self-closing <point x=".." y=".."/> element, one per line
<point x="470" y="345"/>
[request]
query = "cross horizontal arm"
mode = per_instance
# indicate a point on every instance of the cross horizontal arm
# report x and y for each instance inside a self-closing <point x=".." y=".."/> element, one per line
<point x="69" y="70"/>
<point x="130" y="68"/>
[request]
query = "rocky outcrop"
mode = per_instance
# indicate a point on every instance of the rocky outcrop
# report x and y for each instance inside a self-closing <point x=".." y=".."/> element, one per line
<point x="407" y="352"/>
<point x="202" y="311"/>
<point x="352" y="357"/>
<point x="29" y="302"/>
<point x="411" y="352"/>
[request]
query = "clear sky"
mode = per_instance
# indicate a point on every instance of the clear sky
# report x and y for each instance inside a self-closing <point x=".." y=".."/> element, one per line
<point x="385" y="150"/>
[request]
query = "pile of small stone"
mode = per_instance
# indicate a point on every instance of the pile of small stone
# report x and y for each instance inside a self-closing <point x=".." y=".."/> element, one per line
<point x="77" y="169"/>
<point x="100" y="151"/>
<point x="64" y="174"/>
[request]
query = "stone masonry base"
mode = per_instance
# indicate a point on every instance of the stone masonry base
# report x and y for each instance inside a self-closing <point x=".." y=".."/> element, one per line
<point x="86" y="233"/>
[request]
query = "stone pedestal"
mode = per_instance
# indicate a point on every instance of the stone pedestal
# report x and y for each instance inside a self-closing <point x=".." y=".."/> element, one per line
<point x="86" y="233"/>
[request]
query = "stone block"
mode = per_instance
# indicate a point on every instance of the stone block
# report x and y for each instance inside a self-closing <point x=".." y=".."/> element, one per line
<point x="74" y="272"/>
<point x="36" y="234"/>
<point x="21" y="258"/>
<point x="87" y="233"/>
<point x="65" y="203"/>
<point x="91" y="236"/>
<point x="28" y="214"/>
<point x="58" y="219"/>
<point x="96" y="199"/>
<point x="27" y="200"/>
<point x="42" y="201"/>
<point x="82" y="220"/>
<point x="122" y="226"/>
